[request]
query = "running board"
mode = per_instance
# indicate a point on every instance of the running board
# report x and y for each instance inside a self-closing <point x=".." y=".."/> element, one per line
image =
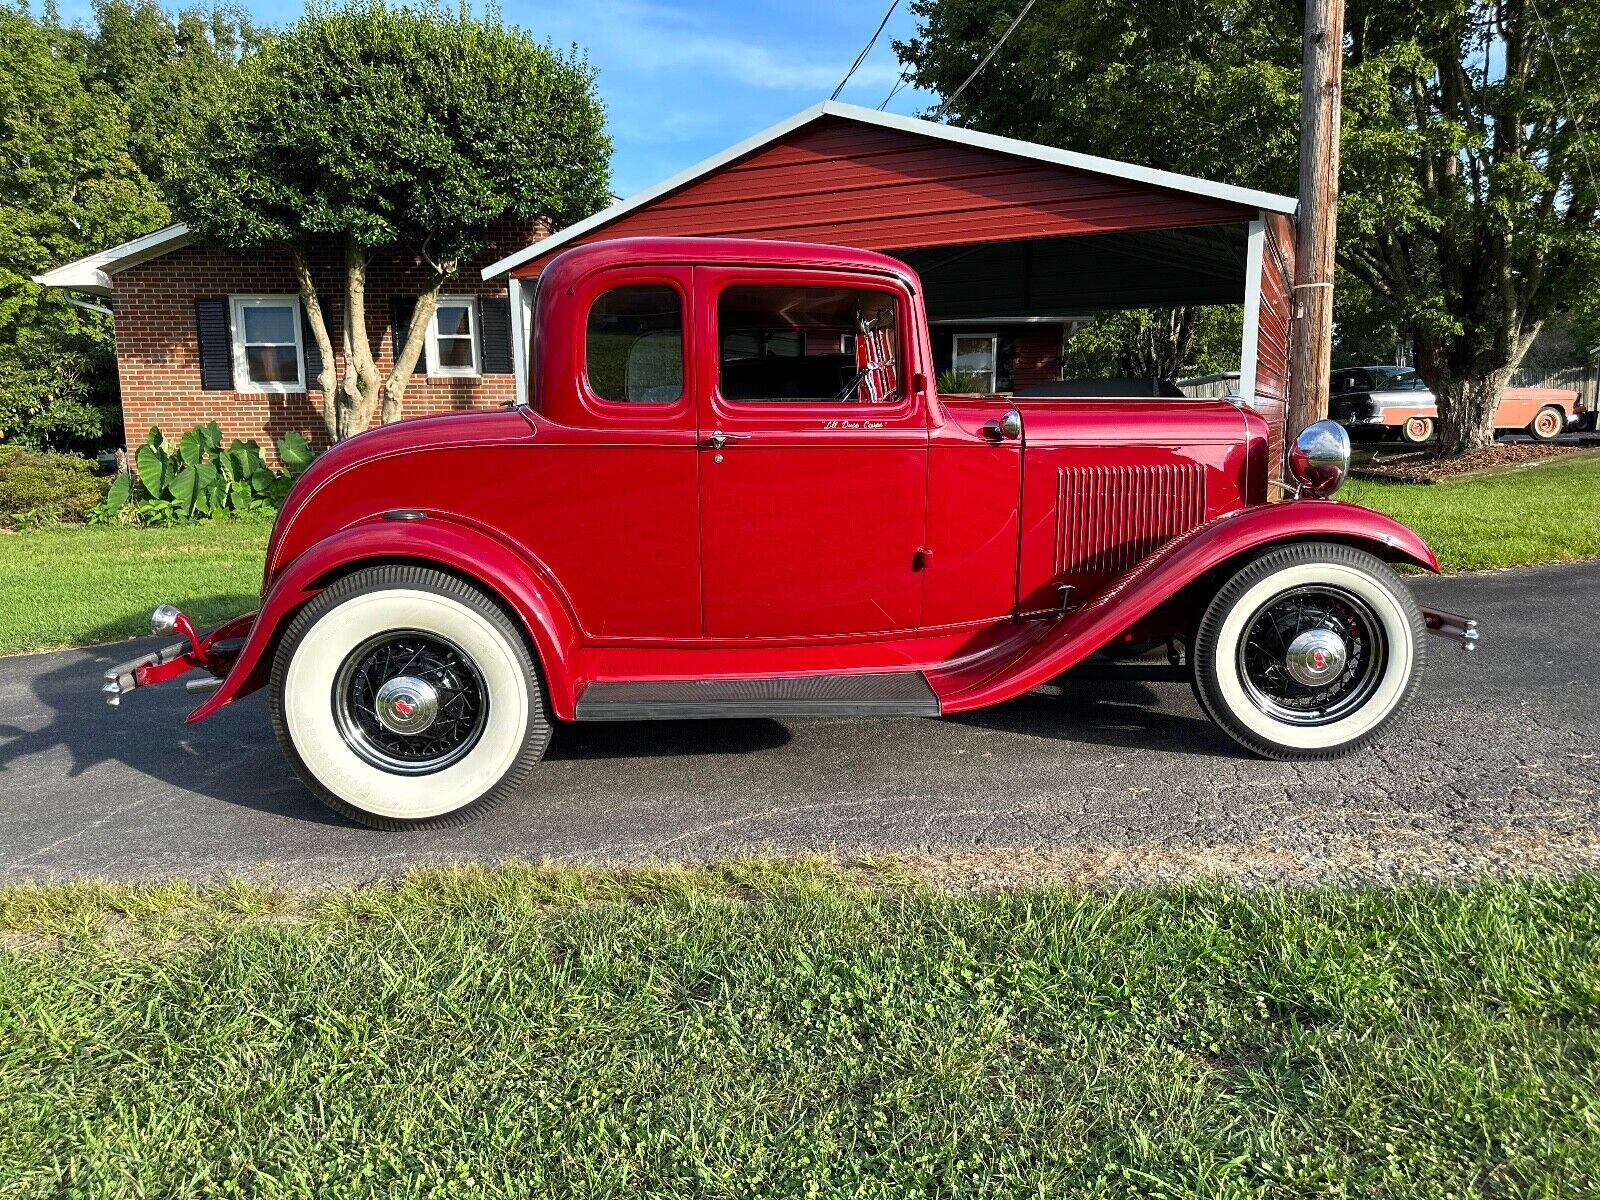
<point x="900" y="694"/>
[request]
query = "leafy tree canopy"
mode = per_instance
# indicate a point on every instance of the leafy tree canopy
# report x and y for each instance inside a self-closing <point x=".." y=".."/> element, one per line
<point x="68" y="184"/>
<point x="407" y="130"/>
<point x="414" y="128"/>
<point x="1468" y="203"/>
<point x="160" y="65"/>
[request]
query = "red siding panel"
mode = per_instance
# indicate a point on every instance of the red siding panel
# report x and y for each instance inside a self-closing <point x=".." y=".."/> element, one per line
<point x="1277" y="313"/>
<point x="842" y="182"/>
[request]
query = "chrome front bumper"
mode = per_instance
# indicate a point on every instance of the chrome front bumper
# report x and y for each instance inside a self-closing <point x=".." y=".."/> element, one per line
<point x="1463" y="630"/>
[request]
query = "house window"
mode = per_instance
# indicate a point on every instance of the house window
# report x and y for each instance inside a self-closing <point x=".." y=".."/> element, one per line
<point x="811" y="344"/>
<point x="977" y="355"/>
<point x="268" y="355"/>
<point x="453" y="337"/>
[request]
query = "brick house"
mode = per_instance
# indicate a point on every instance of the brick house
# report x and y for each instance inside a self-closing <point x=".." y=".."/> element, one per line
<point x="205" y="334"/>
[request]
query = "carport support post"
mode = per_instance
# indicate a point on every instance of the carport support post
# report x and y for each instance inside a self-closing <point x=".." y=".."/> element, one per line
<point x="1312" y="341"/>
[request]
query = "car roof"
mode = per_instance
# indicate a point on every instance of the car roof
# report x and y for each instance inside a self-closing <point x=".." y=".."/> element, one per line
<point x="631" y="251"/>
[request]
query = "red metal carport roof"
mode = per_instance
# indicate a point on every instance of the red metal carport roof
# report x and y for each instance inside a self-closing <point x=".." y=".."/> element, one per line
<point x="848" y="175"/>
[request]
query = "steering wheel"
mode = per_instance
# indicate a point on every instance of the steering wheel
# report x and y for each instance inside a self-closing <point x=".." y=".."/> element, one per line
<point x="848" y="389"/>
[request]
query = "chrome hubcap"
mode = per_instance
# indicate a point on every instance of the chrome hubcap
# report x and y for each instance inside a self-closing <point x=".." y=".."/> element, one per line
<point x="407" y="705"/>
<point x="1315" y="656"/>
<point x="1312" y="655"/>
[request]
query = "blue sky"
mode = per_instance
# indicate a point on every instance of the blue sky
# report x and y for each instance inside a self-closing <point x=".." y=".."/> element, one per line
<point x="682" y="80"/>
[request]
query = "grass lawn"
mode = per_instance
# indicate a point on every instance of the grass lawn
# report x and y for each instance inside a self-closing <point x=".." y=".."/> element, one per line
<point x="72" y="586"/>
<point x="1538" y="515"/>
<point x="782" y="1029"/>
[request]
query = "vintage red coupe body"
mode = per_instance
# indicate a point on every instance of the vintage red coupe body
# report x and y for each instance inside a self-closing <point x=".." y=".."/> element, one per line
<point x="733" y="491"/>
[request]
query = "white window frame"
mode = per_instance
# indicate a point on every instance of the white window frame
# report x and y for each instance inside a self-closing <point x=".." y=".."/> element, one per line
<point x="241" y="363"/>
<point x="432" y="349"/>
<point x="994" y="356"/>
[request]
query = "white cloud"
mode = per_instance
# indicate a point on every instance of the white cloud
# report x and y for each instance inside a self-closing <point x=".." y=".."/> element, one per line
<point x="654" y="37"/>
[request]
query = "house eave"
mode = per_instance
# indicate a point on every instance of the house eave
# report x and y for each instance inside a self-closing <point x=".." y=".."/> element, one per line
<point x="92" y="274"/>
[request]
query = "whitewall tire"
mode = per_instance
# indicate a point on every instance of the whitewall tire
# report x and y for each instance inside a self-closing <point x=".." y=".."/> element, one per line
<point x="406" y="698"/>
<point x="1308" y="651"/>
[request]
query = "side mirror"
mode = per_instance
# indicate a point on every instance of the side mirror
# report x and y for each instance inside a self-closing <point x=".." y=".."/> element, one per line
<point x="1320" y="458"/>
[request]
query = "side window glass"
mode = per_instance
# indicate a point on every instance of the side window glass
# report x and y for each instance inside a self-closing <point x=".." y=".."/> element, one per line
<point x="633" y="344"/>
<point x="808" y="345"/>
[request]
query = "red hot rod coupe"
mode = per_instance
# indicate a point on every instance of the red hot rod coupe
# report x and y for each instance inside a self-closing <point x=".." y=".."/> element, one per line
<point x="733" y="491"/>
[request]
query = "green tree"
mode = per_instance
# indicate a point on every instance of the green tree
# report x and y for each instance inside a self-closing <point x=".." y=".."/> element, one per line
<point x="395" y="130"/>
<point x="160" y="66"/>
<point x="68" y="185"/>
<point x="1468" y="209"/>
<point x="1470" y="200"/>
<point x="1157" y="343"/>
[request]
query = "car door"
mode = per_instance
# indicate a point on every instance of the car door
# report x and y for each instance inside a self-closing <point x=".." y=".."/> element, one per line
<point x="813" y="459"/>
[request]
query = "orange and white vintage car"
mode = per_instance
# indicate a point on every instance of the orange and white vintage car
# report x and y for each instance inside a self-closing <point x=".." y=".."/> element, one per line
<point x="1394" y="402"/>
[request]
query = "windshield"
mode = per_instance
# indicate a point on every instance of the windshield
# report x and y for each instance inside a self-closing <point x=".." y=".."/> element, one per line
<point x="1406" y="381"/>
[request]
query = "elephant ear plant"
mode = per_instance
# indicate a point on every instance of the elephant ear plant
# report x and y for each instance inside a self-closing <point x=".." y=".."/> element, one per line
<point x="196" y="477"/>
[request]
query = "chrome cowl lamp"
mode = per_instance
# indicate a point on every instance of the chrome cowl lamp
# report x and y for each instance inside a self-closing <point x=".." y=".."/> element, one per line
<point x="1319" y="460"/>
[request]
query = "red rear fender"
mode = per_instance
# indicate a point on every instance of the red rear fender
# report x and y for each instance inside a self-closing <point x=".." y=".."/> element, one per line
<point x="1041" y="651"/>
<point x="460" y="549"/>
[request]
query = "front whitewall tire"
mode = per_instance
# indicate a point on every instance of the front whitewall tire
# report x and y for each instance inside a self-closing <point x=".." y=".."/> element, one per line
<point x="1397" y="629"/>
<point x="306" y="681"/>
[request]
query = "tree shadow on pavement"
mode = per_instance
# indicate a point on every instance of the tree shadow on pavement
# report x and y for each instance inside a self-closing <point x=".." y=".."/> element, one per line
<point x="233" y="756"/>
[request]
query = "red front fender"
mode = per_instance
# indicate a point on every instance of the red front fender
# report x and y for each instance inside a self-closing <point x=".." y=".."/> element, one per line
<point x="440" y="542"/>
<point x="1043" y="650"/>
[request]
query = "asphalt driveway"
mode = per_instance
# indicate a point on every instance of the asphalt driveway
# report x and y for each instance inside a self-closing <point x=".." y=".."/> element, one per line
<point x="1497" y="766"/>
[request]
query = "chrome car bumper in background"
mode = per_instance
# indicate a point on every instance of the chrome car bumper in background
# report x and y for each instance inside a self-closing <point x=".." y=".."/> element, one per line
<point x="1452" y="625"/>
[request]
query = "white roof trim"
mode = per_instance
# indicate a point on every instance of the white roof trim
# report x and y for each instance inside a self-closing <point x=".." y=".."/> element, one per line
<point x="1247" y="197"/>
<point x="93" y="272"/>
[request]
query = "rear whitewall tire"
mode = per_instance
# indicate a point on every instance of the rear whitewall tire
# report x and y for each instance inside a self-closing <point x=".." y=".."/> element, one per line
<point x="1219" y="675"/>
<point x="334" y="627"/>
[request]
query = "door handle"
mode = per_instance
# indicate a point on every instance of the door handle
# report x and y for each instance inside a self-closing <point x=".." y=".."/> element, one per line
<point x="718" y="439"/>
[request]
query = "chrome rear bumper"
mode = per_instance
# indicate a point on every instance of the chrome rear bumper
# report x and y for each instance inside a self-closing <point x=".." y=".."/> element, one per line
<point x="214" y="652"/>
<point x="1452" y="625"/>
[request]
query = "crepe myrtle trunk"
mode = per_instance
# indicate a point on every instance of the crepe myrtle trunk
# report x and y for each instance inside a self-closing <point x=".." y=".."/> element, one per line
<point x="353" y="396"/>
<point x="1159" y="346"/>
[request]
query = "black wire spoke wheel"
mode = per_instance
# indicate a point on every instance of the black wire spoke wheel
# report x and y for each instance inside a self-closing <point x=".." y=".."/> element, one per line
<point x="1312" y="655"/>
<point x="410" y="702"/>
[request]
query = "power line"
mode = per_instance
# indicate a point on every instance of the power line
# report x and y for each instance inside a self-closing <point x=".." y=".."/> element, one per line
<point x="1572" y="114"/>
<point x="895" y="90"/>
<point x="865" y="50"/>
<point x="993" y="50"/>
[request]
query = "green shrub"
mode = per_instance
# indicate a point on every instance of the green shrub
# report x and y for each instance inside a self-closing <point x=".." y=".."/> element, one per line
<point x="195" y="477"/>
<point x="959" y="383"/>
<point x="38" y="488"/>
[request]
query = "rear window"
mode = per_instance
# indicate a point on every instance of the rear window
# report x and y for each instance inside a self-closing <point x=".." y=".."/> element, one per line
<point x="633" y="344"/>
<point x="808" y="345"/>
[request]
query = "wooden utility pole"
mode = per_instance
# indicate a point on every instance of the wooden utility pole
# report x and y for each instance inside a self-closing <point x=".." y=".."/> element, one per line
<point x="1312" y="343"/>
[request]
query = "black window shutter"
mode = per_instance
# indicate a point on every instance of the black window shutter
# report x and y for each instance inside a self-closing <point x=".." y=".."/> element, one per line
<point x="313" y="353"/>
<point x="400" y="310"/>
<point x="216" y="344"/>
<point x="494" y="313"/>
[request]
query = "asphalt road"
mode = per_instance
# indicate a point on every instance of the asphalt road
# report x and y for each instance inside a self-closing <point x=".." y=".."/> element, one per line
<point x="1495" y="767"/>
